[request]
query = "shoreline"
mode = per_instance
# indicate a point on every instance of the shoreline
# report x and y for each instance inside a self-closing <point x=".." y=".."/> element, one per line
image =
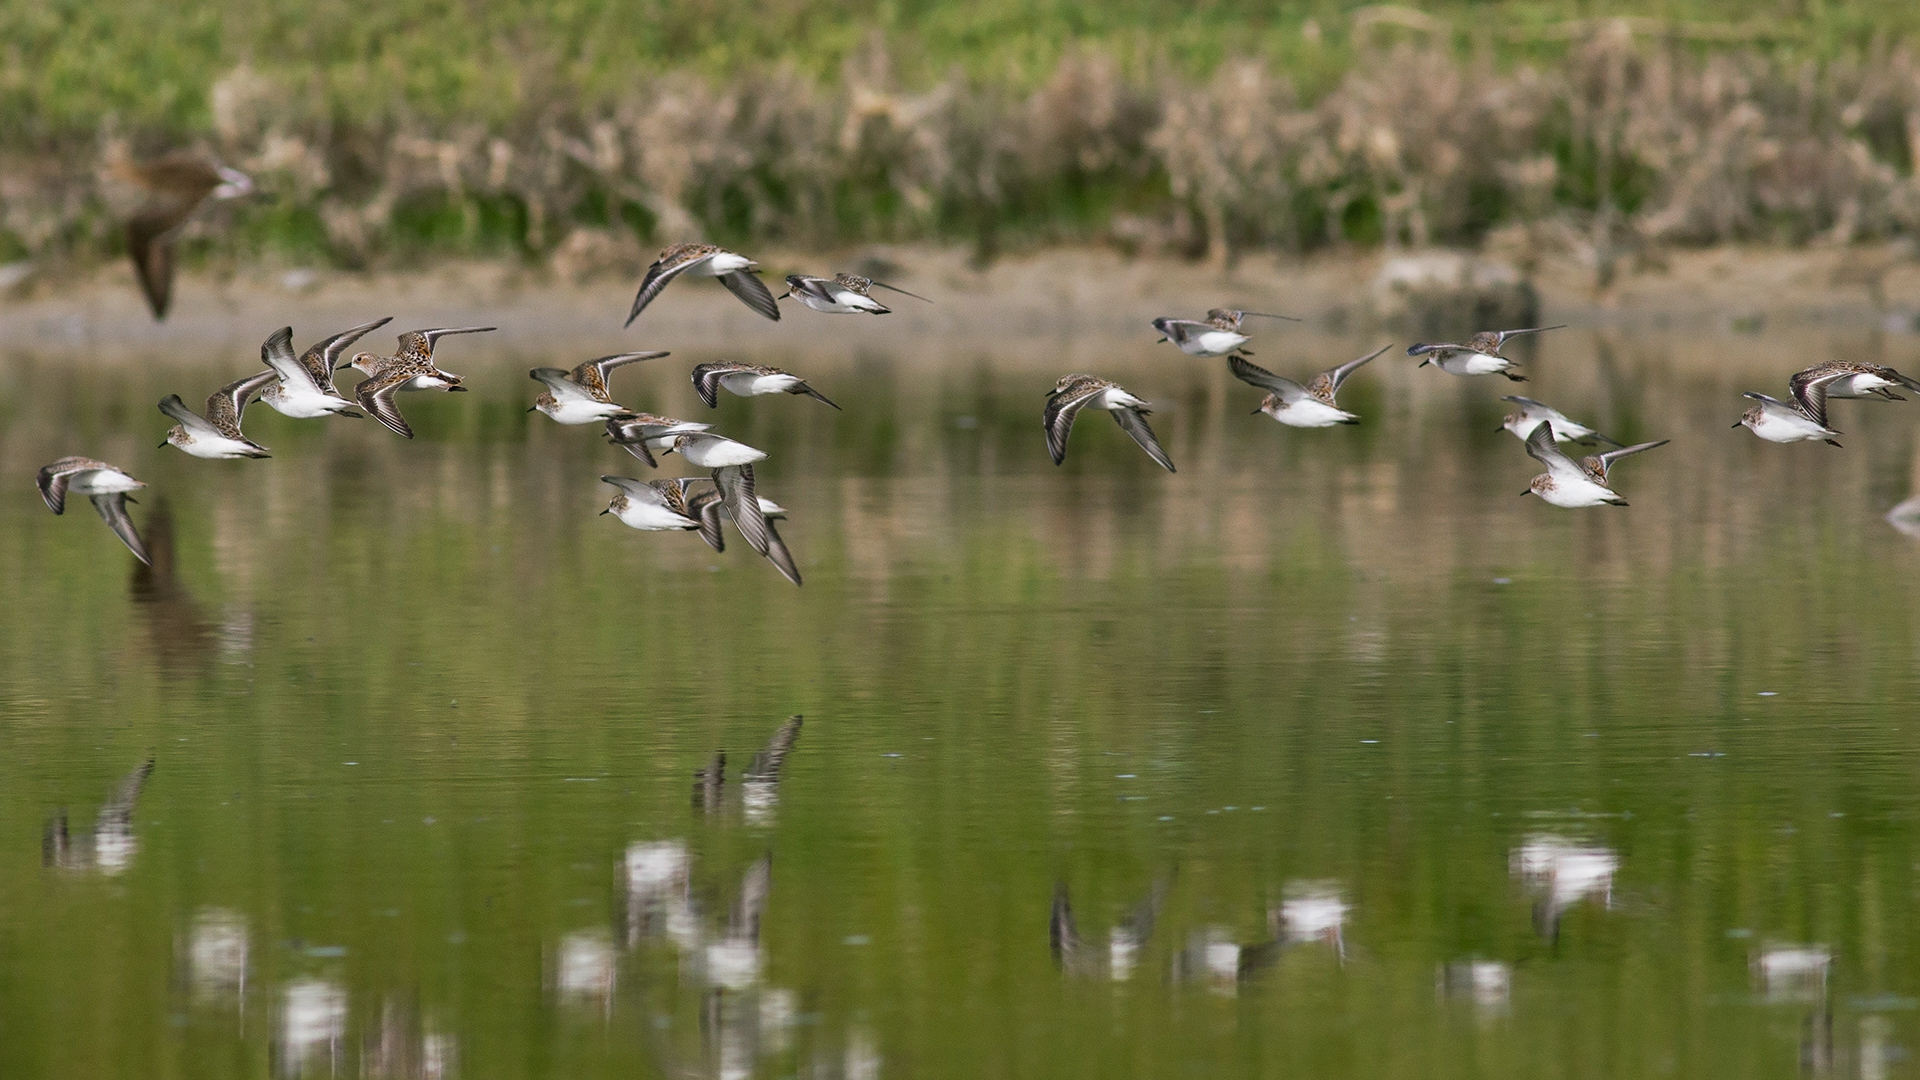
<point x="1016" y="304"/>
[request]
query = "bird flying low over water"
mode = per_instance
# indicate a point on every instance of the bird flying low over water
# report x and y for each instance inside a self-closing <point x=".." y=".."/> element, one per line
<point x="841" y="294"/>
<point x="1309" y="406"/>
<point x="580" y="396"/>
<point x="749" y="380"/>
<point x="1534" y="413"/>
<point x="1479" y="356"/>
<point x="643" y="433"/>
<point x="661" y="505"/>
<point x="1854" y="379"/>
<point x="1804" y="419"/>
<point x="305" y="389"/>
<point x="158" y="196"/>
<point x="1571" y="483"/>
<point x="1075" y="392"/>
<point x="411" y="367"/>
<point x="1218" y="335"/>
<point x="106" y="485"/>
<point x="736" y="272"/>
<point x="216" y="435"/>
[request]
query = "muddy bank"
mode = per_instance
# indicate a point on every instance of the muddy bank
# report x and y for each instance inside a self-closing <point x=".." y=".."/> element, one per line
<point x="1032" y="304"/>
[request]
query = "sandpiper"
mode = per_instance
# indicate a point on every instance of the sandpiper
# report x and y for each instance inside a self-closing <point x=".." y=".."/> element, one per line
<point x="411" y="367"/>
<point x="106" y="485"/>
<point x="1074" y="392"/>
<point x="112" y="846"/>
<point x="580" y="396"/>
<point x="749" y="380"/>
<point x="654" y="506"/>
<point x="1309" y="406"/>
<point x="1804" y="419"/>
<point x="1575" y="484"/>
<point x="842" y="294"/>
<point x="216" y="435"/>
<point x="1479" y="356"/>
<point x="305" y="389"/>
<point x="159" y="196"/>
<point x="736" y="272"/>
<point x="1218" y="335"/>
<point x="644" y="433"/>
<point x="1855" y="379"/>
<point x="1533" y="413"/>
<point x="732" y="465"/>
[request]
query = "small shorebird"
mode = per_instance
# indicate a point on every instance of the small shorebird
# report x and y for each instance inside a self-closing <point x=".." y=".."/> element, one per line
<point x="1571" y="483"/>
<point x="1218" y="335"/>
<point x="216" y="435"/>
<point x="306" y="389"/>
<point x="1309" y="406"/>
<point x="1854" y="379"/>
<point x="106" y="485"/>
<point x="1804" y="419"/>
<point x="736" y="272"/>
<point x="411" y="367"/>
<point x="707" y="504"/>
<point x="661" y="506"/>
<point x="644" y="433"/>
<point x="732" y="465"/>
<point x="580" y="396"/>
<point x="841" y="294"/>
<point x="1533" y="413"/>
<point x="1479" y="356"/>
<point x="748" y="380"/>
<point x="158" y="196"/>
<point x="1074" y="392"/>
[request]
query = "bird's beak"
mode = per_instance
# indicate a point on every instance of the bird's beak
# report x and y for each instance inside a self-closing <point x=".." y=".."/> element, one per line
<point x="1737" y="423"/>
<point x="163" y="444"/>
<point x="1423" y="363"/>
<point x="1257" y="412"/>
<point x="607" y="511"/>
<point x="1500" y="429"/>
<point x="535" y="408"/>
<point x="1526" y="493"/>
<point x="456" y="389"/>
<point x="133" y="500"/>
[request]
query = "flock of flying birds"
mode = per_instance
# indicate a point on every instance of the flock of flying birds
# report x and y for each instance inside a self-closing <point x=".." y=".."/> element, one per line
<point x="302" y="386"/>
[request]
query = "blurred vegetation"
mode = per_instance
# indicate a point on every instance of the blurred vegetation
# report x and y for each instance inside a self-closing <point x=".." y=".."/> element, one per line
<point x="585" y="129"/>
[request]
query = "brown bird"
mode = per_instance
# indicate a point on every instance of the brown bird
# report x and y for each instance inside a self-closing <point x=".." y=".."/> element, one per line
<point x="156" y="198"/>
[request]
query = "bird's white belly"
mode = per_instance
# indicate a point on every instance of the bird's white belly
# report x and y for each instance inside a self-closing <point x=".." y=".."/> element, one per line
<point x="748" y="384"/>
<point x="576" y="411"/>
<point x="1116" y="398"/>
<point x="102" y="482"/>
<point x="853" y="301"/>
<point x="1854" y="386"/>
<point x="425" y="382"/>
<point x="1215" y="343"/>
<point x="1574" y="494"/>
<point x="1777" y="425"/>
<point x="1473" y="363"/>
<point x="301" y="403"/>
<point x="726" y="262"/>
<point x="651" y="517"/>
<point x="721" y="453"/>
<point x="1311" y="413"/>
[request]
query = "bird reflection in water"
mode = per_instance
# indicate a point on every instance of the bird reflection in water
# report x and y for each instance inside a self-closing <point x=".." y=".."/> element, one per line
<point x="1314" y="911"/>
<point x="760" y="787"/>
<point x="585" y="971"/>
<point x="1123" y="943"/>
<point x="312" y="1022"/>
<point x="182" y="636"/>
<point x="1561" y="874"/>
<point x="659" y="876"/>
<point x="216" y="951"/>
<point x="1797" y="975"/>
<point x="110" y="848"/>
<point x="1488" y="984"/>
<point x="403" y="1048"/>
<point x="710" y="785"/>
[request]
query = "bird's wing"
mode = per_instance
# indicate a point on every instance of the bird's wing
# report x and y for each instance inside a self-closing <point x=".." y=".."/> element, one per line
<point x="1180" y="331"/>
<point x="752" y="292"/>
<point x="607" y="363"/>
<point x="710" y="508"/>
<point x="174" y="407"/>
<point x="1339" y="374"/>
<point x="417" y="345"/>
<point x="781" y="558"/>
<point x="671" y="264"/>
<point x="376" y="396"/>
<point x="736" y="490"/>
<point x="1765" y="398"/>
<point x="54" y="478"/>
<point x="1505" y="334"/>
<point x="1542" y="448"/>
<point x="323" y="356"/>
<point x="1607" y="459"/>
<point x="638" y="490"/>
<point x="1812" y="394"/>
<point x="118" y="809"/>
<point x="706" y="379"/>
<point x="152" y="253"/>
<point x="1249" y="372"/>
<point x="819" y="288"/>
<point x="1061" y="409"/>
<point x="560" y="383"/>
<point x="1425" y="347"/>
<point x="113" y="511"/>
<point x="898" y="289"/>
<point x="1062" y="935"/>
<point x="801" y="387"/>
<point x="1134" y="423"/>
<point x="277" y="353"/>
<point x="766" y="764"/>
<point x="635" y="446"/>
<point x="225" y="405"/>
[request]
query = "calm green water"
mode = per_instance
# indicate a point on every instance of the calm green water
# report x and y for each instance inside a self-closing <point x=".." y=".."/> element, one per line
<point x="1321" y="722"/>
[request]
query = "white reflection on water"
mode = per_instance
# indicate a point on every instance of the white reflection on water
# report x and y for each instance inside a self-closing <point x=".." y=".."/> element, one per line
<point x="1124" y="943"/>
<point x="404" y="1049"/>
<point x="863" y="1055"/>
<point x="1486" y="983"/>
<point x="760" y="786"/>
<point x="1792" y="973"/>
<point x="1562" y="873"/>
<point x="586" y="969"/>
<point x="110" y="848"/>
<point x="313" y="1020"/>
<point x="658" y="876"/>
<point x="1315" y="911"/>
<point x="217" y="953"/>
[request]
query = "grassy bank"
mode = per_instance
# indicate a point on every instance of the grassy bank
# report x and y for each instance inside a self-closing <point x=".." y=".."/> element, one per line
<point x="587" y="130"/>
